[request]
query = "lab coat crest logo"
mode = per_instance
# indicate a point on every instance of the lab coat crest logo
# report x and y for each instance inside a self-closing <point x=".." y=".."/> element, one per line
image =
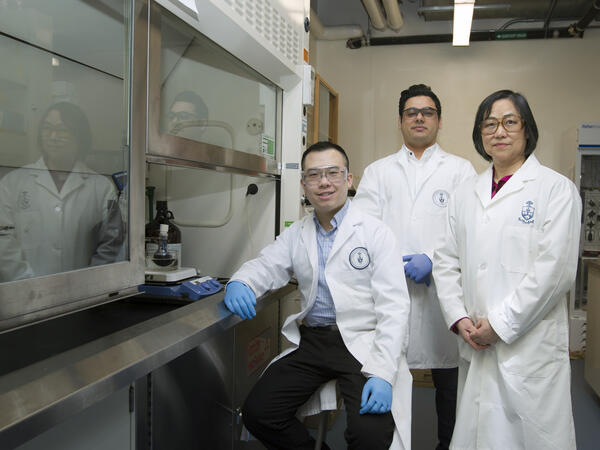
<point x="527" y="212"/>
<point x="440" y="198"/>
<point x="359" y="258"/>
<point x="24" y="200"/>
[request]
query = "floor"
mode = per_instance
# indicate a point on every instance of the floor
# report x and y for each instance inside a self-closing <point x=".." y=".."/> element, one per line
<point x="586" y="413"/>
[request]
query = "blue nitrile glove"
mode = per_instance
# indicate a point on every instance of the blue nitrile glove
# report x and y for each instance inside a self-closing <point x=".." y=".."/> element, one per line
<point x="418" y="267"/>
<point x="376" y="396"/>
<point x="240" y="299"/>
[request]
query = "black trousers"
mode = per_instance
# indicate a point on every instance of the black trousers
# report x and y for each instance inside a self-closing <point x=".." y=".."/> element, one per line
<point x="445" y="382"/>
<point x="270" y="408"/>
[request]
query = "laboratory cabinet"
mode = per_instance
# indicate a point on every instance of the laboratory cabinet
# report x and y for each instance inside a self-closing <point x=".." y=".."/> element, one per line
<point x="108" y="424"/>
<point x="197" y="397"/>
<point x="154" y="374"/>
<point x="587" y="180"/>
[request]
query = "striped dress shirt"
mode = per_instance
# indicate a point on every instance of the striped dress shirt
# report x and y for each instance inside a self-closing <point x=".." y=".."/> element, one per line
<point x="323" y="311"/>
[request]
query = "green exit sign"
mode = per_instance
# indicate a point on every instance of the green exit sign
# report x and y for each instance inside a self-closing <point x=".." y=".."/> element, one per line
<point x="510" y="35"/>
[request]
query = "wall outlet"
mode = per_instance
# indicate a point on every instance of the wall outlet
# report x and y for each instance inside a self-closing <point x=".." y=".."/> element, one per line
<point x="254" y="127"/>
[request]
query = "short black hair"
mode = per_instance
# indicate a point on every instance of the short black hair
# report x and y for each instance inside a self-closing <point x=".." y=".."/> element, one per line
<point x="417" y="90"/>
<point x="520" y="102"/>
<point x="75" y="120"/>
<point x="322" y="146"/>
<point x="194" y="99"/>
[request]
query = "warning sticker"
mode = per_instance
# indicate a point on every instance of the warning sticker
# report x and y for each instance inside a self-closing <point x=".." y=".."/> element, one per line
<point x="258" y="352"/>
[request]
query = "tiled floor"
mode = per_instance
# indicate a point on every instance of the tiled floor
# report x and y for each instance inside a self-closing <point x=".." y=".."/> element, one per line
<point x="586" y="412"/>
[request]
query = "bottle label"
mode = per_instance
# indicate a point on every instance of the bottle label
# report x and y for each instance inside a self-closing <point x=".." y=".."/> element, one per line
<point x="174" y="249"/>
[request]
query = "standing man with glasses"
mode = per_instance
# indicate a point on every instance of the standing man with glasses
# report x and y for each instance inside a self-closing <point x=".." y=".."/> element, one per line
<point x="409" y="191"/>
<point x="353" y="323"/>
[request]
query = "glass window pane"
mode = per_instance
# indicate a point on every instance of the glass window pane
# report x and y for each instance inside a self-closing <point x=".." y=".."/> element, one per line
<point x="209" y="96"/>
<point x="64" y="159"/>
<point x="90" y="32"/>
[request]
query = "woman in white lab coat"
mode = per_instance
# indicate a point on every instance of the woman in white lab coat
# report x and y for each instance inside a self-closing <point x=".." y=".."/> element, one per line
<point x="509" y="258"/>
<point x="57" y="214"/>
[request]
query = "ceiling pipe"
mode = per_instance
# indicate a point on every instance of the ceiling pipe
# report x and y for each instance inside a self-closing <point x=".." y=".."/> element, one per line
<point x="549" y="15"/>
<point x="393" y="13"/>
<point x="535" y="9"/>
<point x="337" y="33"/>
<point x="513" y="21"/>
<point x="576" y="29"/>
<point x="375" y="13"/>
<point x="538" y="33"/>
<point x="500" y="7"/>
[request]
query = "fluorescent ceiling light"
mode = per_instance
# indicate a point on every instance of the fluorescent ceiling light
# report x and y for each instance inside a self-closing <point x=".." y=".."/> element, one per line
<point x="463" y="17"/>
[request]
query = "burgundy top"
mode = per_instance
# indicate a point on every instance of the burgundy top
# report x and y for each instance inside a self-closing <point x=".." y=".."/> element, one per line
<point x="501" y="182"/>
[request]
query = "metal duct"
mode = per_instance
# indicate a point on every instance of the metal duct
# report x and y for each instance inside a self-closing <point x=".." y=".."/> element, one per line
<point x="393" y="13"/>
<point x="509" y="9"/>
<point x="375" y="12"/>
<point x="332" y="33"/>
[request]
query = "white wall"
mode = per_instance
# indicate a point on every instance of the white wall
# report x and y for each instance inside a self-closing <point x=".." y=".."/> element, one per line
<point x="201" y="195"/>
<point x="560" y="78"/>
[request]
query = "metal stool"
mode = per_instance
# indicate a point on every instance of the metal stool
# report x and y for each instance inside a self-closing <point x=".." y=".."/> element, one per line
<point x="323" y="419"/>
<point x="322" y="430"/>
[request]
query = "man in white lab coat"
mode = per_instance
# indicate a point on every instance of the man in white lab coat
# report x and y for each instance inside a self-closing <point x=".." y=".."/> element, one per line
<point x="409" y="191"/>
<point x="508" y="260"/>
<point x="353" y="323"/>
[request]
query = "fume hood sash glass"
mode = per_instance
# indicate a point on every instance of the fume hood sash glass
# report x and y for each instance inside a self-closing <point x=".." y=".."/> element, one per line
<point x="65" y="173"/>
<point x="205" y="105"/>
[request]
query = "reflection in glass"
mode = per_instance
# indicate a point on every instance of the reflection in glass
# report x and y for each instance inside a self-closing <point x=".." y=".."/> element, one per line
<point x="59" y="208"/>
<point x="207" y="95"/>
<point x="57" y="214"/>
<point x="187" y="110"/>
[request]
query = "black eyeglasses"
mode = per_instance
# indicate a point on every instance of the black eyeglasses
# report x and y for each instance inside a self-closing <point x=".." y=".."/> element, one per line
<point x="510" y="123"/>
<point x="412" y="113"/>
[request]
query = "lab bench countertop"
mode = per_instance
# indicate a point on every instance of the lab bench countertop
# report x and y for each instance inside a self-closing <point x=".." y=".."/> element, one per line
<point x="65" y="365"/>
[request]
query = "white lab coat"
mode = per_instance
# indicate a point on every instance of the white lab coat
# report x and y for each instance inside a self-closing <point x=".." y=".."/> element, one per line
<point x="371" y="304"/>
<point x="418" y="219"/>
<point x="512" y="259"/>
<point x="43" y="231"/>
